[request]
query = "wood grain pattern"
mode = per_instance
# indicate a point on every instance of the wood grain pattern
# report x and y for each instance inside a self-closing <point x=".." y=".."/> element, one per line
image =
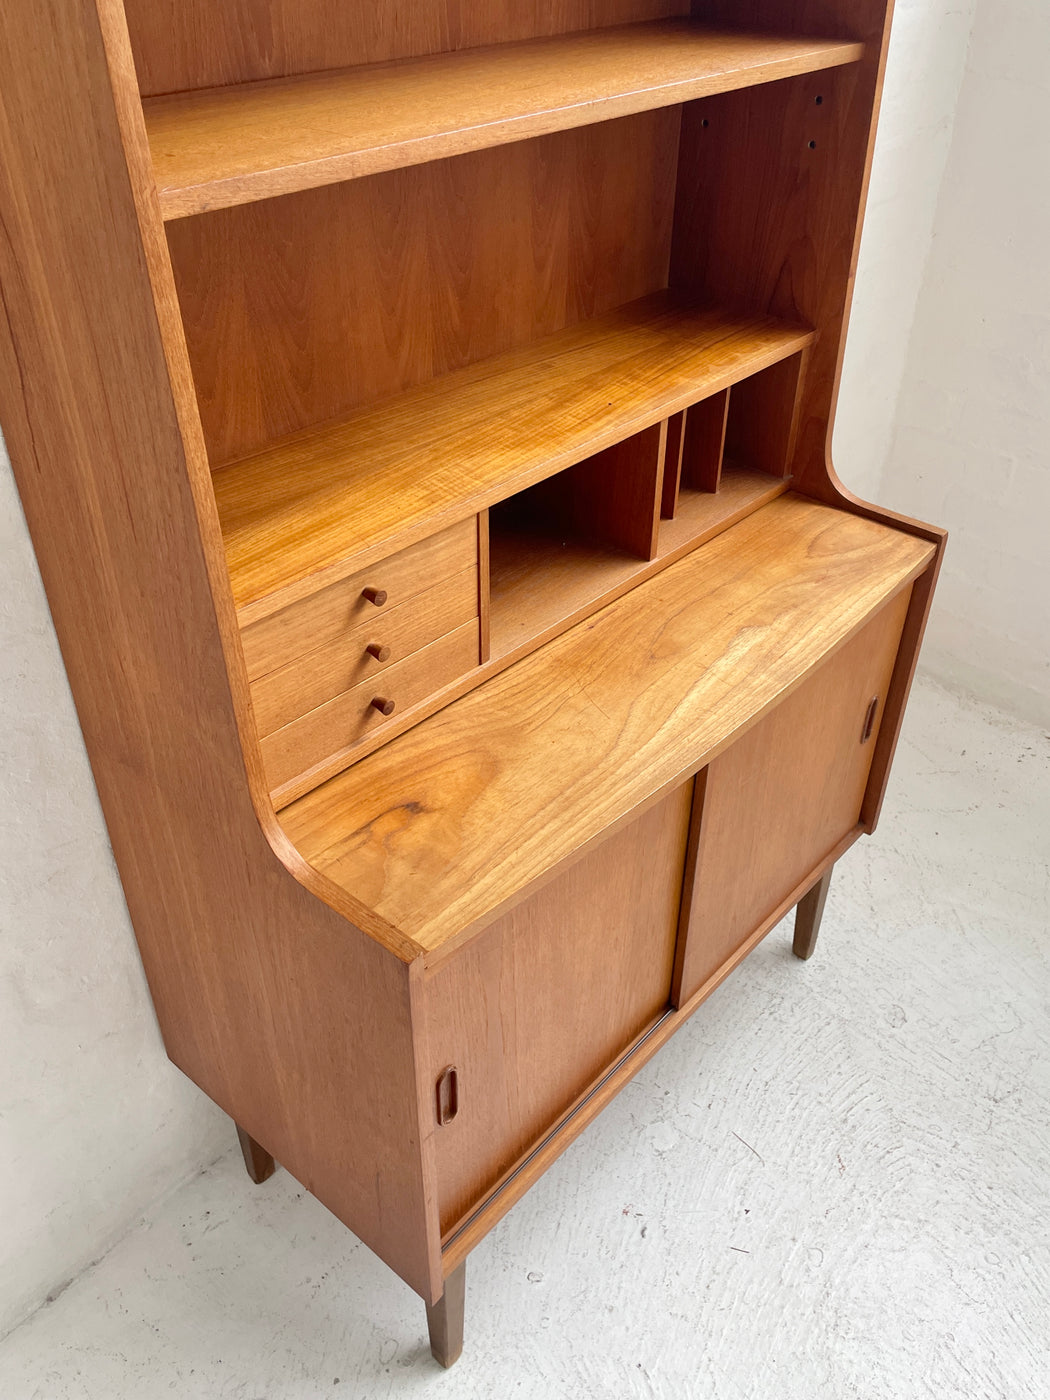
<point x="339" y="723"/>
<point x="611" y="499"/>
<point x="182" y="44"/>
<point x="258" y="1163"/>
<point x="535" y="1161"/>
<point x="231" y="145"/>
<point x="484" y="589"/>
<point x="247" y="965"/>
<point x="704" y="445"/>
<point x="781" y="799"/>
<point x="452" y="820"/>
<point x="545" y="590"/>
<point x="899" y="690"/>
<point x="673" y="446"/>
<point x="302" y="514"/>
<point x="301" y="309"/>
<point x="761" y="427"/>
<point x="808" y="915"/>
<point x="445" y="1319"/>
<point x="584" y="964"/>
<point x="542" y="584"/>
<point x="297" y="1001"/>
<point x="322" y="617"/>
<point x="308" y="681"/>
<point x="785" y="240"/>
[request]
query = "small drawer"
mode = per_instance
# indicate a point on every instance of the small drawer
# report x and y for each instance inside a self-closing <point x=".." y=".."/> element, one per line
<point x="365" y="652"/>
<point x="350" y="717"/>
<point x="328" y="615"/>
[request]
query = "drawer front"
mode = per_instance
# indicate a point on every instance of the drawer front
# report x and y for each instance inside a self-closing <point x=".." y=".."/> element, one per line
<point x="393" y="634"/>
<point x="328" y="615"/>
<point x="350" y="717"/>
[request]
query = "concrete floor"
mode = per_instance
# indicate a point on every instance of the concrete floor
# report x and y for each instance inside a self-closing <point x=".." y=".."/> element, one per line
<point x="834" y="1182"/>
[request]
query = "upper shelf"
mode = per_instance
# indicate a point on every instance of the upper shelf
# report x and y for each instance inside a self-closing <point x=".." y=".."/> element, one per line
<point x="450" y="821"/>
<point x="226" y="146"/>
<point x="323" y="503"/>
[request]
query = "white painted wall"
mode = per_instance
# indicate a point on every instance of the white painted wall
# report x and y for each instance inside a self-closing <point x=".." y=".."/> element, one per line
<point x="927" y="57"/>
<point x="95" y="1124"/>
<point x="972" y="446"/>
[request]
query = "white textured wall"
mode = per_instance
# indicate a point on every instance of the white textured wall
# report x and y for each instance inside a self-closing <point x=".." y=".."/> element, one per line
<point x="928" y="48"/>
<point x="972" y="448"/>
<point x="95" y="1123"/>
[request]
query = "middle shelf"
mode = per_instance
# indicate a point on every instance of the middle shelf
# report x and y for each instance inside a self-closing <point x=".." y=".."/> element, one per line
<point x="329" y="500"/>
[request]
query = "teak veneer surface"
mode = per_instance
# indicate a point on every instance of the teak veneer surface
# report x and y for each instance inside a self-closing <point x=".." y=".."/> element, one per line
<point x="451" y="822"/>
<point x="541" y="581"/>
<point x="225" y="146"/>
<point x="299" y="311"/>
<point x="321" y="503"/>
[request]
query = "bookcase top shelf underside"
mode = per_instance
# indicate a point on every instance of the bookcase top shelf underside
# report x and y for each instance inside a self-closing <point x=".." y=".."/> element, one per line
<point x="224" y="146"/>
<point x="318" y="505"/>
<point x="445" y="825"/>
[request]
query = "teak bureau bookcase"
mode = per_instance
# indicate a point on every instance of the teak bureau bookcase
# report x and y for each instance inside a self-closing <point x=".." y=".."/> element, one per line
<point x="422" y="415"/>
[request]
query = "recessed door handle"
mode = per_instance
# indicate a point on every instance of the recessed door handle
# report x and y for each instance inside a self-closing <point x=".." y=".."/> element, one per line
<point x="869" y="719"/>
<point x="447" y="1095"/>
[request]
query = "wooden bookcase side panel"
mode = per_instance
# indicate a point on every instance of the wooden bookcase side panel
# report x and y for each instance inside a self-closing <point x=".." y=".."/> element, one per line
<point x="247" y="951"/>
<point x="302" y="309"/>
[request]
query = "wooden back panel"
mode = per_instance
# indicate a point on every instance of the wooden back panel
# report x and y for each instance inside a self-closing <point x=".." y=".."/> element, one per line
<point x="182" y="44"/>
<point x="847" y="19"/>
<point x="301" y="308"/>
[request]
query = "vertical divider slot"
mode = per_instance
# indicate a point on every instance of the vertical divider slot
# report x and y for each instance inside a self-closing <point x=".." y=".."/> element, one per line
<point x="673" y="464"/>
<point x="705" y="435"/>
<point x="611" y="499"/>
<point x="763" y="421"/>
<point x="484" y="588"/>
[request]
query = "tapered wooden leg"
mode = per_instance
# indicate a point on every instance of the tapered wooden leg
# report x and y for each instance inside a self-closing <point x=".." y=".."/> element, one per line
<point x="808" y="913"/>
<point x="258" y="1161"/>
<point x="445" y="1319"/>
